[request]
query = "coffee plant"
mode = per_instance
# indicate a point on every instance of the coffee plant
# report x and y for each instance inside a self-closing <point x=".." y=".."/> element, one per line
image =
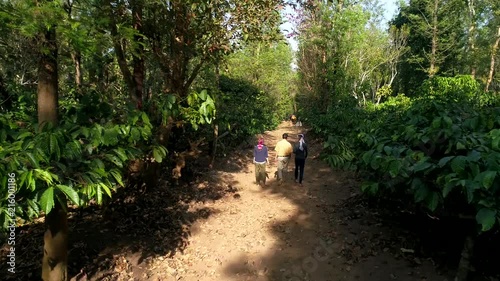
<point x="440" y="150"/>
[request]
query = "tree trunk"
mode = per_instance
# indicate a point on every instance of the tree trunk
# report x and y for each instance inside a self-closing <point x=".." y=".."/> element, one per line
<point x="55" y="250"/>
<point x="77" y="60"/>
<point x="494" y="50"/>
<point x="464" y="264"/>
<point x="48" y="80"/>
<point x="138" y="60"/>
<point x="214" y="122"/>
<point x="214" y="144"/>
<point x="434" y="47"/>
<point x="130" y="78"/>
<point x="472" y="37"/>
<point x="76" y="56"/>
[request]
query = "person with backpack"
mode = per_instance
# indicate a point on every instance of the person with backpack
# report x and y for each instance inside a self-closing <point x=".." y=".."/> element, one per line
<point x="300" y="151"/>
<point x="260" y="159"/>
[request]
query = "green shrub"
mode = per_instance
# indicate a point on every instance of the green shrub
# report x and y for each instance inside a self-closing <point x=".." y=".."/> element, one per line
<point x="440" y="150"/>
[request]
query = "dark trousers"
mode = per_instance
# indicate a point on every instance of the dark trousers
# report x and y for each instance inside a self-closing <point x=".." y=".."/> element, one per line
<point x="299" y="165"/>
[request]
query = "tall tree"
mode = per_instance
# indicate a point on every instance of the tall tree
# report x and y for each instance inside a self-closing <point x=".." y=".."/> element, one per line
<point x="118" y="16"/>
<point x="493" y="56"/>
<point x="493" y="40"/>
<point x="55" y="249"/>
<point x="435" y="41"/>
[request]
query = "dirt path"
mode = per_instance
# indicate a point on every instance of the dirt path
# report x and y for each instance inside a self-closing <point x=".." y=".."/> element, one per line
<point x="288" y="232"/>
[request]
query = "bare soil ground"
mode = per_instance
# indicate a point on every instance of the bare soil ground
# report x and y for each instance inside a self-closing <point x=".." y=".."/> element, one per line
<point x="291" y="232"/>
<point x="222" y="226"/>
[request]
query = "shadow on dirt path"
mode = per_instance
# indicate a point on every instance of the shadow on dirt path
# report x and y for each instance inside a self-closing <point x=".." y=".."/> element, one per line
<point x="221" y="226"/>
<point x="292" y="232"/>
<point x="140" y="227"/>
<point x="316" y="239"/>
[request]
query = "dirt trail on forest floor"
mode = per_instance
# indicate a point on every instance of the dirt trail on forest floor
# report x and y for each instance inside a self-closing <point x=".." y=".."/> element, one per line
<point x="287" y="232"/>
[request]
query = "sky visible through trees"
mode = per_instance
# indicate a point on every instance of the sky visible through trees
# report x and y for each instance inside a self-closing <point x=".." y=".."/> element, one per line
<point x="390" y="9"/>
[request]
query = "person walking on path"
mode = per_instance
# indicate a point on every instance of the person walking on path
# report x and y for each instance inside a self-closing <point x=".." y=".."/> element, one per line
<point x="260" y="159"/>
<point x="284" y="151"/>
<point x="300" y="151"/>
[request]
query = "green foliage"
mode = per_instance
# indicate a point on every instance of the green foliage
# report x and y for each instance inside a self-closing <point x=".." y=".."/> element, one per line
<point x="440" y="151"/>
<point x="244" y="109"/>
<point x="268" y="67"/>
<point x="200" y="110"/>
<point x="82" y="164"/>
<point x="459" y="88"/>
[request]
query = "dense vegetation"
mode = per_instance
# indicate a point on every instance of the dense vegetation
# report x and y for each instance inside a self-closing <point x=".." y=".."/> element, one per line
<point x="414" y="111"/>
<point x="96" y="94"/>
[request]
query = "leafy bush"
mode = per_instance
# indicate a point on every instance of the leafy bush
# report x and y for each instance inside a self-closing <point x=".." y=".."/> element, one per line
<point x="78" y="163"/>
<point x="440" y="150"/>
<point x="443" y="153"/>
<point x="238" y="97"/>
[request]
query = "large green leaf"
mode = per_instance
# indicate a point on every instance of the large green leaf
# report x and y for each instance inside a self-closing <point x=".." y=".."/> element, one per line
<point x="395" y="168"/>
<point x="419" y="188"/>
<point x="171" y="99"/>
<point x="114" y="159"/>
<point x="367" y="156"/>
<point x="370" y="187"/>
<point x="106" y="189"/>
<point x="117" y="176"/>
<point x="495" y="143"/>
<point x="157" y="154"/>
<point x="486" y="178"/>
<point x="486" y="217"/>
<point x="121" y="154"/>
<point x="432" y="201"/>
<point x="445" y="160"/>
<point x="47" y="200"/>
<point x="422" y="165"/>
<point x="70" y="193"/>
<point x="458" y="164"/>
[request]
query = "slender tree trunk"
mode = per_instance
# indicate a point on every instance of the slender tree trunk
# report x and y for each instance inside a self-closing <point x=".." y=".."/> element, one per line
<point x="76" y="56"/>
<point x="138" y="60"/>
<point x="48" y="80"/>
<point x="494" y="50"/>
<point x="77" y="60"/>
<point x="55" y="250"/>
<point x="433" y="58"/>
<point x="472" y="37"/>
<point x="214" y="124"/>
<point x="130" y="78"/>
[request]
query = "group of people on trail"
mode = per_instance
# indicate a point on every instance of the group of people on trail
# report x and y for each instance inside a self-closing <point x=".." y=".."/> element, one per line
<point x="284" y="150"/>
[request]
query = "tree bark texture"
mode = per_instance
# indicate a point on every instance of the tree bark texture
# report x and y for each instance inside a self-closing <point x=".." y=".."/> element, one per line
<point x="134" y="80"/>
<point x="77" y="60"/>
<point x="48" y="79"/>
<point x="472" y="37"/>
<point x="434" y="47"/>
<point x="494" y="50"/>
<point x="55" y="249"/>
<point x="138" y="60"/>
